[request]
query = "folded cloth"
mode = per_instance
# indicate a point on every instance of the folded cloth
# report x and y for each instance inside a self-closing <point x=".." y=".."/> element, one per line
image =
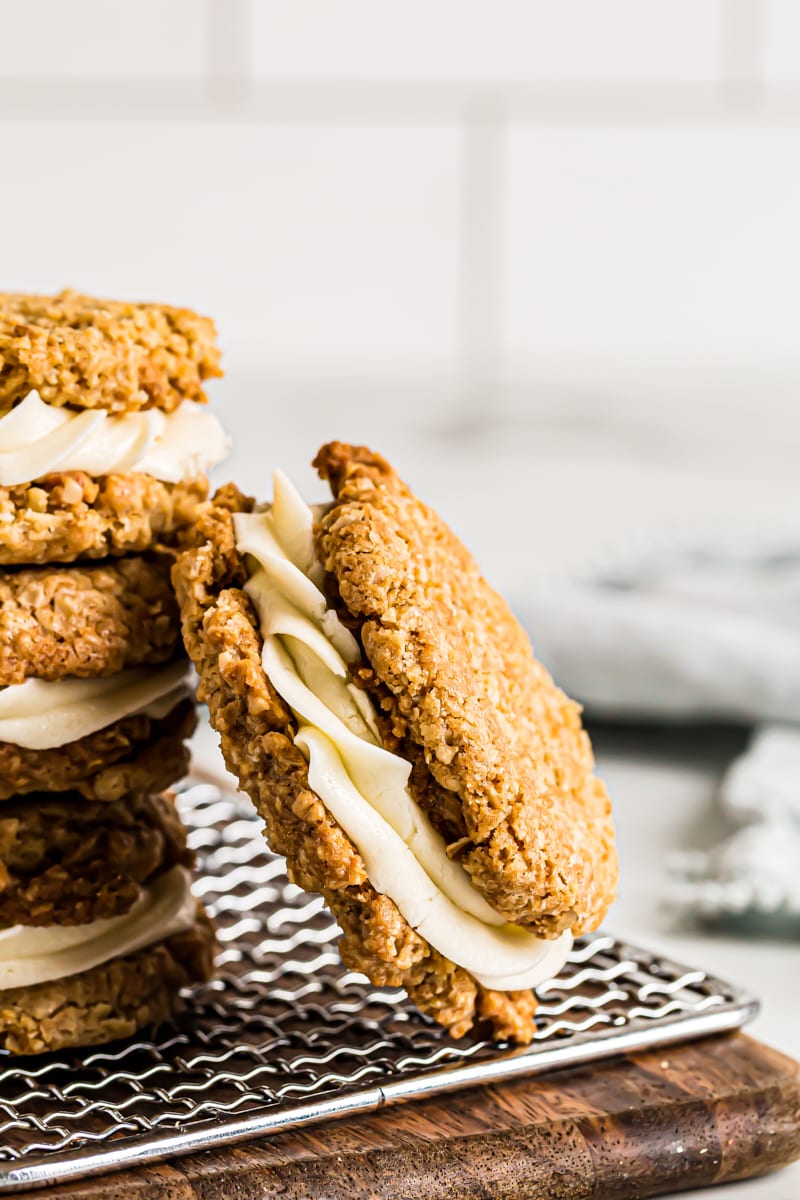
<point x="754" y="873"/>
<point x="697" y="634"/>
<point x="700" y="633"/>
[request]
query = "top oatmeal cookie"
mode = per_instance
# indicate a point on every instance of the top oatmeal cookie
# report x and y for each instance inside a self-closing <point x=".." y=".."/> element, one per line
<point x="499" y="758"/>
<point x="88" y="353"/>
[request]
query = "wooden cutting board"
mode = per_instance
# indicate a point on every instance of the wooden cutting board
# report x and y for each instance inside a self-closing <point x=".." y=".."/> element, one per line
<point x="682" y="1117"/>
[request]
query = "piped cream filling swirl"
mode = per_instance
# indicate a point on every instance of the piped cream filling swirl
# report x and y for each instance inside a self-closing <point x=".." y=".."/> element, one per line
<point x="307" y="654"/>
<point x="37" y="439"/>
<point x="30" y="955"/>
<point x="41" y="714"/>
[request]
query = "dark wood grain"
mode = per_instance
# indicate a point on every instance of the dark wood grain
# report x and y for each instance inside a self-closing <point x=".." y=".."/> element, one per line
<point x="706" y="1112"/>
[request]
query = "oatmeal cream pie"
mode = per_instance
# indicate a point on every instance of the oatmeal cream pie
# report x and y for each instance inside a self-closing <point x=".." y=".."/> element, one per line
<point x="409" y="755"/>
<point x="99" y="927"/>
<point x="93" y="683"/>
<point x="104" y="437"/>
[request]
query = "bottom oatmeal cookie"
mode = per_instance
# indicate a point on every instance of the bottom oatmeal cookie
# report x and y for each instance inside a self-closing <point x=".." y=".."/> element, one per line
<point x="64" y="861"/>
<point x="137" y="754"/>
<point x="72" y="515"/>
<point x="110" y="1001"/>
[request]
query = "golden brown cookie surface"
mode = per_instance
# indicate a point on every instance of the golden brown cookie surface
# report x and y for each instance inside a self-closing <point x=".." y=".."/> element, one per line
<point x="136" y="754"/>
<point x="66" y="861"/>
<point x="110" y="1001"/>
<point x="86" y="620"/>
<point x="502" y="763"/>
<point x="71" y="515"/>
<point x="87" y="353"/>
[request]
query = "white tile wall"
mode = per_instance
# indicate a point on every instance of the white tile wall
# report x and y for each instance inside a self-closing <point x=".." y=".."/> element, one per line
<point x="489" y="39"/>
<point x="671" y="245"/>
<point x="596" y="279"/>
<point x="782" y="58"/>
<point x="320" y="251"/>
<point x="98" y="39"/>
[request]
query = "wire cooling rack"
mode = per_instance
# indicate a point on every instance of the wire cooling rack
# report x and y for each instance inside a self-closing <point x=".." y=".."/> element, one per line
<point x="285" y="1036"/>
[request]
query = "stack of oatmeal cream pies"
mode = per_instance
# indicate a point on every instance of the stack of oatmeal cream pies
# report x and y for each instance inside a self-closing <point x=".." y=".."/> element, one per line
<point x="104" y="441"/>
<point x="374" y="696"/>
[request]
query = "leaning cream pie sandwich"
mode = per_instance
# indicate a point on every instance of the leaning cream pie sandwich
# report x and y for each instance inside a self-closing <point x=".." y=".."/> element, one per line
<point x="104" y="434"/>
<point x="410" y="757"/>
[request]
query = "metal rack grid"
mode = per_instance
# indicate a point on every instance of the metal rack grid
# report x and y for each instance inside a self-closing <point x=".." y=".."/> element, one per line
<point x="285" y="1036"/>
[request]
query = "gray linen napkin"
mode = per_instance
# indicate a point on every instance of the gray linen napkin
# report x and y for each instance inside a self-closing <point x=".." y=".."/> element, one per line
<point x="697" y="633"/>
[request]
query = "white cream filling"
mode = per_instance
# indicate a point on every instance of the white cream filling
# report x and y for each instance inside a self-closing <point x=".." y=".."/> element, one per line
<point x="37" y="438"/>
<point x="306" y="655"/>
<point x="41" y="714"/>
<point x="30" y="955"/>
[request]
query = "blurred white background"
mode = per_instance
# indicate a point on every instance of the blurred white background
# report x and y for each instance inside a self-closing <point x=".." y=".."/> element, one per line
<point x="545" y="256"/>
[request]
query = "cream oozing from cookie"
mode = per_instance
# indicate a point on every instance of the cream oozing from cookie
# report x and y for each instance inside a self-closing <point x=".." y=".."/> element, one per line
<point x="37" y="438"/>
<point x="307" y="656"/>
<point x="41" y="714"/>
<point x="30" y="955"/>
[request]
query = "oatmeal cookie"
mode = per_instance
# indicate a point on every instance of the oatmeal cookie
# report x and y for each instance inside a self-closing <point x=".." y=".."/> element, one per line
<point x="110" y="1001"/>
<point x="87" y="620"/>
<point x="136" y="754"/>
<point x="65" y="861"/>
<point x="500" y="760"/>
<point x="71" y="515"/>
<point x="88" y="353"/>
